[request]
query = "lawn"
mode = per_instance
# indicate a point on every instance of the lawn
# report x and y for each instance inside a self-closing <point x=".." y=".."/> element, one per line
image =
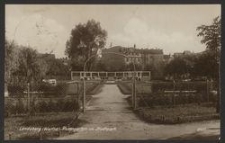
<point x="178" y="114"/>
<point x="171" y="109"/>
<point x="141" y="87"/>
<point x="76" y="87"/>
<point x="46" y="125"/>
<point x="28" y="128"/>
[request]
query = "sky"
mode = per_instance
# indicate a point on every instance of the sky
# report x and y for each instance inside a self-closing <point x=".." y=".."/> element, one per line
<point x="172" y="28"/>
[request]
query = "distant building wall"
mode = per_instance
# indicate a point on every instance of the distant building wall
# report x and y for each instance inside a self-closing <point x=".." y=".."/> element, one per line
<point x="146" y="57"/>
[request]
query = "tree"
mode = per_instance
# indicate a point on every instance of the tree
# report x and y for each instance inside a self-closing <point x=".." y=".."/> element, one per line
<point x="211" y="37"/>
<point x="11" y="64"/>
<point x="204" y="66"/>
<point x="113" y="62"/>
<point x="11" y="57"/>
<point x="30" y="68"/>
<point x="57" y="68"/>
<point x="99" y="66"/>
<point x="179" y="67"/>
<point x="84" y="41"/>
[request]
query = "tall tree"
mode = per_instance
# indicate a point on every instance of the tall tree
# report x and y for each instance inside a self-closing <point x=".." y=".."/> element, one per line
<point x="211" y="37"/>
<point x="84" y="41"/>
<point x="11" y="63"/>
<point x="10" y="59"/>
<point x="180" y="66"/>
<point x="31" y="69"/>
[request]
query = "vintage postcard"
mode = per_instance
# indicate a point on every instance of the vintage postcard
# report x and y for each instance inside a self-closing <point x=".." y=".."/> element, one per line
<point x="112" y="72"/>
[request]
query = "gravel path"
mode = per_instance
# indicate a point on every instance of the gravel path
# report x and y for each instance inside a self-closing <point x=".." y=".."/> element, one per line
<point x="109" y="117"/>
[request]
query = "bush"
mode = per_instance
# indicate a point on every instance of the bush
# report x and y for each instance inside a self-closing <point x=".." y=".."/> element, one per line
<point x="42" y="107"/>
<point x="20" y="107"/>
<point x="199" y="86"/>
<point x="17" y="108"/>
<point x="70" y="105"/>
<point x="61" y="105"/>
<point x="15" y="90"/>
<point x="9" y="109"/>
<point x="60" y="90"/>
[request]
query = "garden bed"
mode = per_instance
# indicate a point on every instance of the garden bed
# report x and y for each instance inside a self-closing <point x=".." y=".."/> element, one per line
<point x="177" y="114"/>
<point x="17" y="106"/>
<point x="55" y="114"/>
<point x="163" y="110"/>
<point x="26" y="128"/>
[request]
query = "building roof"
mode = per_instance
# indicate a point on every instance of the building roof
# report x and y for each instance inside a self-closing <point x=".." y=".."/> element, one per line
<point x="133" y="50"/>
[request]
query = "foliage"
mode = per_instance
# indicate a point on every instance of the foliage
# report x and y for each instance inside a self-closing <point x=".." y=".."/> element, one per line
<point x="60" y="90"/>
<point x="24" y="64"/>
<point x="211" y="34"/>
<point x="11" y="58"/>
<point x="57" y="68"/>
<point x="15" y="90"/>
<point x="30" y="68"/>
<point x="178" y="114"/>
<point x="15" y="108"/>
<point x="54" y="105"/>
<point x="211" y="37"/>
<point x="180" y="85"/>
<point x="113" y="62"/>
<point x="60" y="105"/>
<point x="180" y="66"/>
<point x="99" y="66"/>
<point x="205" y="66"/>
<point x="85" y="39"/>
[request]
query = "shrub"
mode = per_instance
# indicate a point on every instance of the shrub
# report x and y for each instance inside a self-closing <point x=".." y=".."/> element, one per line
<point x="20" y="107"/>
<point x="70" y="105"/>
<point x="199" y="86"/>
<point x="42" y="106"/>
<point x="60" y="105"/>
<point x="15" y="90"/>
<point x="60" y="90"/>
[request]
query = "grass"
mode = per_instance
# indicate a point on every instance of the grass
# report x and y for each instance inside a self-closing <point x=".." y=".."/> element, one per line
<point x="178" y="114"/>
<point x="54" y="120"/>
<point x="75" y="88"/>
<point x="157" y="108"/>
<point x="12" y="125"/>
<point x="58" y="120"/>
<point x="18" y="106"/>
<point x="125" y="88"/>
<point x="142" y="88"/>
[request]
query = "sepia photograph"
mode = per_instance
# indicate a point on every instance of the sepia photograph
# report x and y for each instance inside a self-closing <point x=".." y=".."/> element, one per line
<point x="112" y="72"/>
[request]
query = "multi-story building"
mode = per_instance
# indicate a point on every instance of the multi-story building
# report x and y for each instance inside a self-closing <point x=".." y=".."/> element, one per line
<point x="148" y="59"/>
<point x="133" y="57"/>
<point x="142" y="56"/>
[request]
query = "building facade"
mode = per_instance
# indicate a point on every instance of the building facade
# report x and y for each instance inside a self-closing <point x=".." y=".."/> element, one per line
<point x="148" y="59"/>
